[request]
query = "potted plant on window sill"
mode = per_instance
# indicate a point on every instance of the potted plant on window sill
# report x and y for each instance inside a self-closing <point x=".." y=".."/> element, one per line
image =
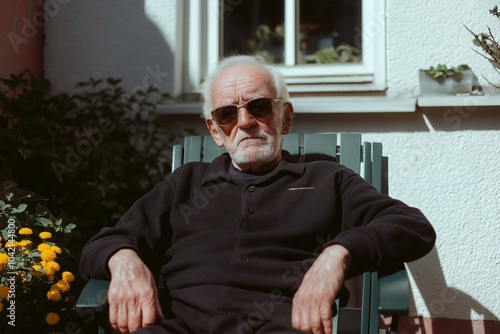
<point x="490" y="48"/>
<point x="444" y="80"/>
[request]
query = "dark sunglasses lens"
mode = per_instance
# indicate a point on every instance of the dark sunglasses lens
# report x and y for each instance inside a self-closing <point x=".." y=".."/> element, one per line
<point x="260" y="108"/>
<point x="225" y="115"/>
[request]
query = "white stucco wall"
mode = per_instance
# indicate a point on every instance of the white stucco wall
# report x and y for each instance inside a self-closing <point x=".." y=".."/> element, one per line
<point x="446" y="164"/>
<point x="425" y="33"/>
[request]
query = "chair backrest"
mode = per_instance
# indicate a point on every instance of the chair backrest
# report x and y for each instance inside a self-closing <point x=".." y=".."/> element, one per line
<point x="364" y="158"/>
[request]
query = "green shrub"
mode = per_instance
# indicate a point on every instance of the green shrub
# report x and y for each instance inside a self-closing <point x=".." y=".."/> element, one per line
<point x="91" y="154"/>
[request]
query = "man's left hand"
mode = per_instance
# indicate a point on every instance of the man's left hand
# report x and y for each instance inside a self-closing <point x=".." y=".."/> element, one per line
<point x="313" y="301"/>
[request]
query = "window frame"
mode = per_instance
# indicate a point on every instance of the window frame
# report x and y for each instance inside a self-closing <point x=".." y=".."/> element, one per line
<point x="199" y="40"/>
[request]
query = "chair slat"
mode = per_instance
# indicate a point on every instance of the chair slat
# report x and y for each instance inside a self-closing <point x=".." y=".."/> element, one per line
<point x="192" y="148"/>
<point x="374" y="302"/>
<point x="366" y="303"/>
<point x="350" y="151"/>
<point x="377" y="166"/>
<point x="176" y="156"/>
<point x="291" y="143"/>
<point x="367" y="162"/>
<point x="210" y="149"/>
<point x="323" y="143"/>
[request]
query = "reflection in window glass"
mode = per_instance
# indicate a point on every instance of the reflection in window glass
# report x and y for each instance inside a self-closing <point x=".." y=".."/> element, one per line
<point x="254" y="27"/>
<point x="329" y="31"/>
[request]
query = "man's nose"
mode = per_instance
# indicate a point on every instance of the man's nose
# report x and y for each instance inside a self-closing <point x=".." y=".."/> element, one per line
<point x="245" y="119"/>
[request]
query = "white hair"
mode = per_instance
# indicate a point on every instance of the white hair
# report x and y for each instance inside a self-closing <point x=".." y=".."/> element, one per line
<point x="277" y="78"/>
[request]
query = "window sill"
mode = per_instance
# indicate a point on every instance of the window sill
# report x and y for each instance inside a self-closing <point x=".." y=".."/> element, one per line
<point x="353" y="104"/>
<point x="457" y="101"/>
<point x="302" y="105"/>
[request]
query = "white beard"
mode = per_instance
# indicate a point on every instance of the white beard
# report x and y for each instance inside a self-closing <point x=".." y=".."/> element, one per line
<point x="249" y="153"/>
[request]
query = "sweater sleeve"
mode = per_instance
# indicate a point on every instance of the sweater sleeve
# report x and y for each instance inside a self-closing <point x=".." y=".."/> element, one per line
<point x="145" y="228"/>
<point x="380" y="233"/>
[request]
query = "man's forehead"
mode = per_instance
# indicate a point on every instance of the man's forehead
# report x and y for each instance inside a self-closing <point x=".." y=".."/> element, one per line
<point x="243" y="80"/>
<point x="243" y="73"/>
<point x="246" y="97"/>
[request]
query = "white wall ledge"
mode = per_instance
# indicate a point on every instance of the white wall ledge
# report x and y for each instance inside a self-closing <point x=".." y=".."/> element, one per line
<point x="353" y="104"/>
<point x="337" y="104"/>
<point x="456" y="101"/>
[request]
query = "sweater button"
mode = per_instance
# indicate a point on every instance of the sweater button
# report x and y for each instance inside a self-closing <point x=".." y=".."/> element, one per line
<point x="251" y="189"/>
<point x="250" y="210"/>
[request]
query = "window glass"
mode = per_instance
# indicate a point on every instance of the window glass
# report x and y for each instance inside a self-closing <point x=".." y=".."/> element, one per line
<point x="329" y="31"/>
<point x="326" y="31"/>
<point x="254" y="27"/>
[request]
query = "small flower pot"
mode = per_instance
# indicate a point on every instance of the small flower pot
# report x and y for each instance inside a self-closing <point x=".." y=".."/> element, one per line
<point x="454" y="85"/>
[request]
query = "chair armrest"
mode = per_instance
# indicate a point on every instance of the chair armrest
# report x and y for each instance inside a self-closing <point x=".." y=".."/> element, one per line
<point x="93" y="296"/>
<point x="393" y="292"/>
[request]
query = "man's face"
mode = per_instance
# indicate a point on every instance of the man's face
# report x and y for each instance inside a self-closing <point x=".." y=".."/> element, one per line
<point x="253" y="144"/>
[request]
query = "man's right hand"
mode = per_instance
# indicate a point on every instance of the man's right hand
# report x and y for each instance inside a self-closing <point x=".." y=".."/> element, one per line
<point x="132" y="296"/>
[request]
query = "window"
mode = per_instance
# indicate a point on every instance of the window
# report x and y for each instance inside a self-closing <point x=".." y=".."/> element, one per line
<point x="317" y="31"/>
<point x="319" y="45"/>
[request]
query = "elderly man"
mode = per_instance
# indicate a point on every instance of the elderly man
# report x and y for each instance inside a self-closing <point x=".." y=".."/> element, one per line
<point x="270" y="248"/>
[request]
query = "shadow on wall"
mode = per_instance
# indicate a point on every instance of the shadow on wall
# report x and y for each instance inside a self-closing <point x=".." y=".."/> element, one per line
<point x="103" y="39"/>
<point x="439" y="119"/>
<point x="464" y="118"/>
<point x="441" y="299"/>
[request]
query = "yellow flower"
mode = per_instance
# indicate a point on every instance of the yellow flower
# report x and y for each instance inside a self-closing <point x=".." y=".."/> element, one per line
<point x="25" y="243"/>
<point x="56" y="249"/>
<point x="43" y="246"/>
<point x="52" y="318"/>
<point x="53" y="295"/>
<point x="50" y="267"/>
<point x="45" y="235"/>
<point x="25" y="231"/>
<point x="61" y="286"/>
<point x="11" y="244"/>
<point x="4" y="259"/>
<point x="48" y="255"/>
<point x="4" y="291"/>
<point x="68" y="276"/>
<point x="37" y="270"/>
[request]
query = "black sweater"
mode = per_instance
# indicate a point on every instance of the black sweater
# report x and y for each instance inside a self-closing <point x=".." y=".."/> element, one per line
<point x="203" y="233"/>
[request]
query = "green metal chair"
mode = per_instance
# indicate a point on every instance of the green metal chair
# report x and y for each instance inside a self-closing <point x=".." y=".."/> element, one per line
<point x="381" y="295"/>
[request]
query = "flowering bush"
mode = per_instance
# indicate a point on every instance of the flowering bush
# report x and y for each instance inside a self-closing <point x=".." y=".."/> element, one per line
<point x="35" y="292"/>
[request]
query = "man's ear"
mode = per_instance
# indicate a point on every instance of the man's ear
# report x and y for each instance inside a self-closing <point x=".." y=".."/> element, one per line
<point x="287" y="118"/>
<point x="214" y="132"/>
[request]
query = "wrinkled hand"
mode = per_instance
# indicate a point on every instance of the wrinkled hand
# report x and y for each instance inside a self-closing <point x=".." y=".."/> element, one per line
<point x="132" y="295"/>
<point x="312" y="303"/>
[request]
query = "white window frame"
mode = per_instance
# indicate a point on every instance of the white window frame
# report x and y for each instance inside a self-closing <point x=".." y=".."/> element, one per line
<point x="198" y="50"/>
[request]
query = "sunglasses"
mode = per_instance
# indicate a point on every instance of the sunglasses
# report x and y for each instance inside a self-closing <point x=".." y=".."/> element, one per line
<point x="259" y="108"/>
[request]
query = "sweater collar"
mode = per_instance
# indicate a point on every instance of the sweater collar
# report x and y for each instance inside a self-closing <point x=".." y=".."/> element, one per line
<point x="218" y="169"/>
